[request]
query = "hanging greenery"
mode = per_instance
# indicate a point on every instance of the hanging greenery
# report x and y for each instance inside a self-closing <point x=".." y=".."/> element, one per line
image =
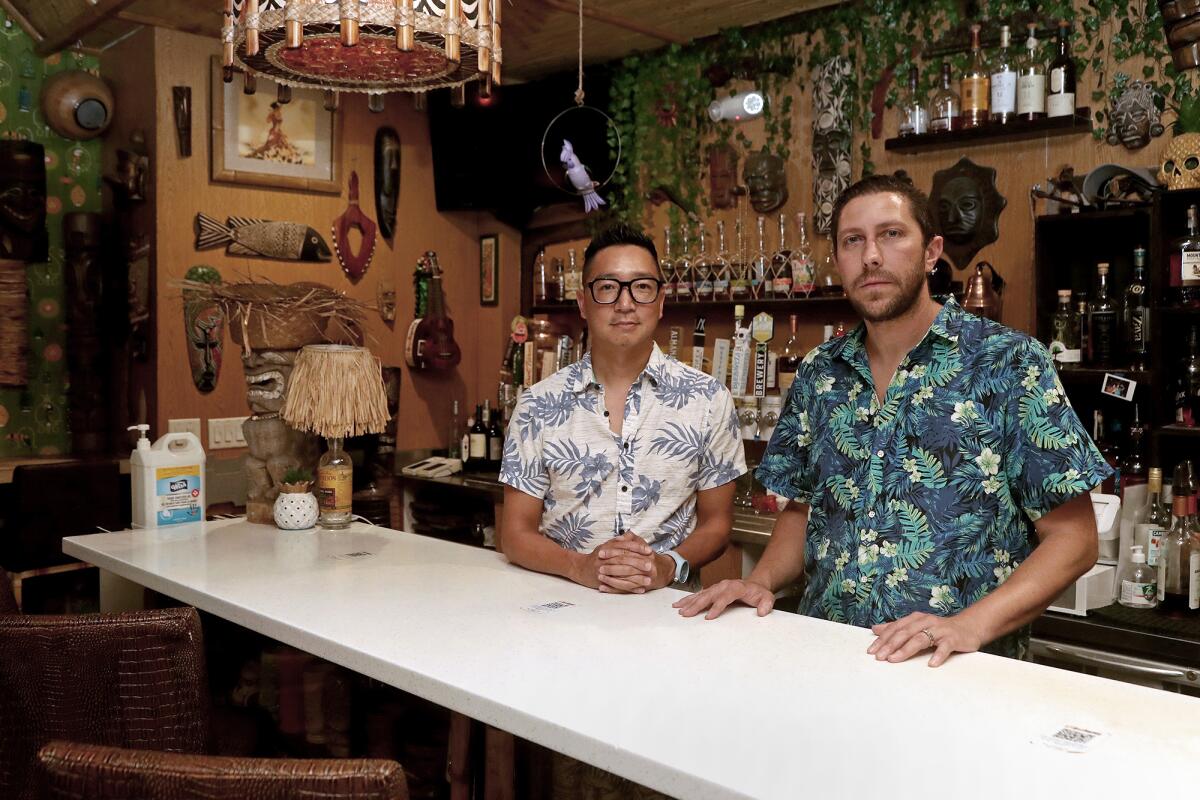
<point x="659" y="100"/>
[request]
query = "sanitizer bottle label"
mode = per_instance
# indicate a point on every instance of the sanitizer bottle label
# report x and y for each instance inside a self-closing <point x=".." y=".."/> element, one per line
<point x="177" y="494"/>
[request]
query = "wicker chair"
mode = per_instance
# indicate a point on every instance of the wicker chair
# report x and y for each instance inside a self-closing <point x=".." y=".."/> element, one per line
<point x="133" y="680"/>
<point x="91" y="772"/>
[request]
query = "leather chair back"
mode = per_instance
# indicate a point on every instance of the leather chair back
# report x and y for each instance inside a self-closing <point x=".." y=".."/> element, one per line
<point x="51" y="501"/>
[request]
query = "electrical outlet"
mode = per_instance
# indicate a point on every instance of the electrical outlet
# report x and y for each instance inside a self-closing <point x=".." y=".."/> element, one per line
<point x="190" y="425"/>
<point x="226" y="432"/>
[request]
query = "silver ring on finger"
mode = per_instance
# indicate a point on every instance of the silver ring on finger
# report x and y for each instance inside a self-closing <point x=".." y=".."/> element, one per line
<point x="929" y="636"/>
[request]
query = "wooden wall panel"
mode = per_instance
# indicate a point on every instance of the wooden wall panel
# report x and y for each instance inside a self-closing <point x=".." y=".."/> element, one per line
<point x="183" y="59"/>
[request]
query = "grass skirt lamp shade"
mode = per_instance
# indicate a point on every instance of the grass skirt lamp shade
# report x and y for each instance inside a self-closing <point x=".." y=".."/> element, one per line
<point x="336" y="391"/>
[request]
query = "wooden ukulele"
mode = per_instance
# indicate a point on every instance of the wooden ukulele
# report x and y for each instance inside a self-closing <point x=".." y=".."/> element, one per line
<point x="430" y="343"/>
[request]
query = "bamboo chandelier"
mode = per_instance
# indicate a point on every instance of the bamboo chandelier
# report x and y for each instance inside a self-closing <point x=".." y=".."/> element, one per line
<point x="373" y="47"/>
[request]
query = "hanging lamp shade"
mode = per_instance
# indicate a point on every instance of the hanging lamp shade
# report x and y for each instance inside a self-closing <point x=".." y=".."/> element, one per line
<point x="367" y="46"/>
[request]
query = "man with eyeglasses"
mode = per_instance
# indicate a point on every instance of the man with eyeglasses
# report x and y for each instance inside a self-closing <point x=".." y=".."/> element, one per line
<point x="620" y="468"/>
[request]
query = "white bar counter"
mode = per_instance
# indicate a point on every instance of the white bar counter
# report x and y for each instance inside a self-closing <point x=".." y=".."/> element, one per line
<point x="743" y="707"/>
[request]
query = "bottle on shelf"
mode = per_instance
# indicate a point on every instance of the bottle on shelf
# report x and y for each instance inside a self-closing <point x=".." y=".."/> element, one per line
<point x="789" y="359"/>
<point x="1133" y="466"/>
<point x="1102" y="322"/>
<point x="464" y="443"/>
<point x="781" y="264"/>
<point x="760" y="264"/>
<point x="1109" y="450"/>
<point x="803" y="274"/>
<point x="574" y="282"/>
<point x="739" y="279"/>
<point x="1031" y="79"/>
<point x="974" y="86"/>
<point x="684" y="274"/>
<point x="1139" y="582"/>
<point x="829" y="282"/>
<point x="477" y="443"/>
<point x="1187" y="385"/>
<point x="1060" y="97"/>
<point x="945" y="107"/>
<point x="495" y="442"/>
<point x="1175" y="587"/>
<point x="1081" y="316"/>
<point x="1064" y="344"/>
<point x="1003" y="83"/>
<point x="540" y="278"/>
<point x="666" y="266"/>
<point x="1155" y="521"/>
<point x="914" y="116"/>
<point x="1185" y="265"/>
<point x="1135" y="315"/>
<point x="558" y="291"/>
<point x="703" y="269"/>
<point x="454" y="448"/>
<point x="720" y="268"/>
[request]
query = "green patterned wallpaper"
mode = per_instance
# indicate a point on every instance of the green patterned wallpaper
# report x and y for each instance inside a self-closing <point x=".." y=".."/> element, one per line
<point x="33" y="421"/>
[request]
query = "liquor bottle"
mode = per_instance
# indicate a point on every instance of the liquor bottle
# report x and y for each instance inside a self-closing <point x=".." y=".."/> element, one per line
<point x="760" y="265"/>
<point x="574" y="281"/>
<point x="335" y="487"/>
<point x="539" y="278"/>
<point x="683" y="269"/>
<point x="789" y="360"/>
<point x="945" y="108"/>
<point x="1139" y="582"/>
<point x="803" y="275"/>
<point x="454" y="448"/>
<point x="1060" y="100"/>
<point x="1031" y="79"/>
<point x="703" y="269"/>
<point x="558" y="291"/>
<point x="1003" y="83"/>
<point x="739" y="279"/>
<point x="1133" y="466"/>
<point x="1135" y="316"/>
<point x="477" y="443"/>
<point x="495" y="442"/>
<point x="1151" y="530"/>
<point x="829" y="282"/>
<point x="1081" y="316"/>
<point x="1174" y="567"/>
<point x="1187" y="385"/>
<point x="465" y="443"/>
<point x="720" y="268"/>
<point x="974" y="86"/>
<point x="914" y="117"/>
<point x="666" y="266"/>
<point x="1185" y="264"/>
<point x="1102" y="322"/>
<point x="1109" y="450"/>
<point x="1064" y="344"/>
<point x="781" y="264"/>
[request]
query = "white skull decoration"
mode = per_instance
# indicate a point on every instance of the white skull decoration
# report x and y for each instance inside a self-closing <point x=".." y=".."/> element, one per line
<point x="1181" y="162"/>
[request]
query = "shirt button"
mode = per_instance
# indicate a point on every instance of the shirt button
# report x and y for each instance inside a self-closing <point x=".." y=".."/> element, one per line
<point x="606" y="413"/>
<point x="624" y="488"/>
<point x="879" y="453"/>
<point x="871" y="514"/>
<point x="627" y="445"/>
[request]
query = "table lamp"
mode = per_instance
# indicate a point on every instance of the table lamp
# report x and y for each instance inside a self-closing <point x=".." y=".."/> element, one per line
<point x="336" y="391"/>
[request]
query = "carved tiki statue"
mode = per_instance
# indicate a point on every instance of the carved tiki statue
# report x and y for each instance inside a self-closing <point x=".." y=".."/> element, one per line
<point x="23" y="235"/>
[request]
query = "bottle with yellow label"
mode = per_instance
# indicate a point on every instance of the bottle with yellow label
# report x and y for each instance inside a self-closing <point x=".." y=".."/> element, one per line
<point x="334" y="486"/>
<point x="975" y="86"/>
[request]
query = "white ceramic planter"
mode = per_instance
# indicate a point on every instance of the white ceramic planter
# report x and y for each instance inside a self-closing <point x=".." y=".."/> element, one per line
<point x="296" y="511"/>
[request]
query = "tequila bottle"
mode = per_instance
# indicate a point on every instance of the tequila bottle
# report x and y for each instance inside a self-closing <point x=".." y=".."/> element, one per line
<point x="721" y="266"/>
<point x="974" y="83"/>
<point x="1031" y="80"/>
<point x="781" y="263"/>
<point x="703" y="269"/>
<point x="803" y="274"/>
<point x="684" y="288"/>
<point x="760" y="264"/>
<point x="666" y="266"/>
<point x="739" y="283"/>
<point x="1003" y="83"/>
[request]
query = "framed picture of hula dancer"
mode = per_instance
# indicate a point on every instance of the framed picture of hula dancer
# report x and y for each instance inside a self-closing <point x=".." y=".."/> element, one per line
<point x="258" y="141"/>
<point x="489" y="269"/>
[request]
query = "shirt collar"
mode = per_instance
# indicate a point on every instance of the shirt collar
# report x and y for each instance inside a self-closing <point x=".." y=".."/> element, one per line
<point x="946" y="325"/>
<point x="583" y="376"/>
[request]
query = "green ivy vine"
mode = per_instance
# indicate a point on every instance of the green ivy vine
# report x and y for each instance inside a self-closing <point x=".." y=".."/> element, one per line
<point x="659" y="100"/>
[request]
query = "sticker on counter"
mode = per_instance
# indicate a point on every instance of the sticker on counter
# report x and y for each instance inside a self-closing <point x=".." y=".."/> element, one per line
<point x="348" y="556"/>
<point x="546" y="608"/>
<point x="1118" y="387"/>
<point x="1072" y="739"/>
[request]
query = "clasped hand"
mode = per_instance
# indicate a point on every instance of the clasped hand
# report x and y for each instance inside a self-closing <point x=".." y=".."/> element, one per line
<point x="625" y="565"/>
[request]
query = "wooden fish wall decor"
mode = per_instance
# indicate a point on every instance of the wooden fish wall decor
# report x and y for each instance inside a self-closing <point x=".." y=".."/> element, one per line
<point x="245" y="236"/>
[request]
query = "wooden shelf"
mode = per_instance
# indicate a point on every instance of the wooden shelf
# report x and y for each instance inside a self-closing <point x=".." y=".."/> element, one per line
<point x="1067" y="372"/>
<point x="834" y="303"/>
<point x="1015" y="131"/>
<point x="1178" y="430"/>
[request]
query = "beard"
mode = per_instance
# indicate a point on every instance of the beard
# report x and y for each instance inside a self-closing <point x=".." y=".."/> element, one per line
<point x="908" y="293"/>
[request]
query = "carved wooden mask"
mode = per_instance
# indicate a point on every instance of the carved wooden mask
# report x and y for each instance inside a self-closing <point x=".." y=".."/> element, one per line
<point x="967" y="206"/>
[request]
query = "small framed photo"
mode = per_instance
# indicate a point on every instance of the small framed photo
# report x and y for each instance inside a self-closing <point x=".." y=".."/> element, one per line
<point x="1117" y="387"/>
<point x="489" y="269"/>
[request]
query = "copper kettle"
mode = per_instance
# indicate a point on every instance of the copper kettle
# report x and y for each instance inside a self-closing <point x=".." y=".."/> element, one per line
<point x="982" y="296"/>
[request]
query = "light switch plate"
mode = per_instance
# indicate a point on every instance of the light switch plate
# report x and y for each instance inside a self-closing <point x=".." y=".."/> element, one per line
<point x="226" y="432"/>
<point x="189" y="425"/>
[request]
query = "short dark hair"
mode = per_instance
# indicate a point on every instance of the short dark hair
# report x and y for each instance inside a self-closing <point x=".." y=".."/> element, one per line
<point x="619" y="233"/>
<point x="918" y="202"/>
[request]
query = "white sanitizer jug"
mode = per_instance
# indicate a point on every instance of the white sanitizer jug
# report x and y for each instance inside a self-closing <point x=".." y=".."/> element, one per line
<point x="167" y="479"/>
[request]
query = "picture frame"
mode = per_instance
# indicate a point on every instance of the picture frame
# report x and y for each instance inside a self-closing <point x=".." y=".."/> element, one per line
<point x="255" y="142"/>
<point x="1118" y="387"/>
<point x="489" y="269"/>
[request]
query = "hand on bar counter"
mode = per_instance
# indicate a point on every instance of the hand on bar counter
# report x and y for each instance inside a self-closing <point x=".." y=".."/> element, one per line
<point x="719" y="597"/>
<point x="625" y="564"/>
<point x="901" y="640"/>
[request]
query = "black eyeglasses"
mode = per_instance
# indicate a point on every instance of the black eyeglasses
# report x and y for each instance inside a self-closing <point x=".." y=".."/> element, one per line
<point x="606" y="291"/>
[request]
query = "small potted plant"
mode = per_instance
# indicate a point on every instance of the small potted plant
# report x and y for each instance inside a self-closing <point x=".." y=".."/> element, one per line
<point x="296" y="507"/>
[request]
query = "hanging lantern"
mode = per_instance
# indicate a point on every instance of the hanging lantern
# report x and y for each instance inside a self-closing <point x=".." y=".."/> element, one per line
<point x="368" y="46"/>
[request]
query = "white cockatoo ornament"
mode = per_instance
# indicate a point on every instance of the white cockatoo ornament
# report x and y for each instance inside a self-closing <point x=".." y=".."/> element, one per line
<point x="580" y="178"/>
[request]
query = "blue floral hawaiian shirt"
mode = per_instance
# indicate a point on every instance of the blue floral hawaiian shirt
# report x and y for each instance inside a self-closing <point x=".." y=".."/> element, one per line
<point x="679" y="435"/>
<point x="925" y="501"/>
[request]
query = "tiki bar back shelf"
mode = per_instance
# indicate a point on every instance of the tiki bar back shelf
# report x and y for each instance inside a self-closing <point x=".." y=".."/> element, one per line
<point x="566" y="400"/>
